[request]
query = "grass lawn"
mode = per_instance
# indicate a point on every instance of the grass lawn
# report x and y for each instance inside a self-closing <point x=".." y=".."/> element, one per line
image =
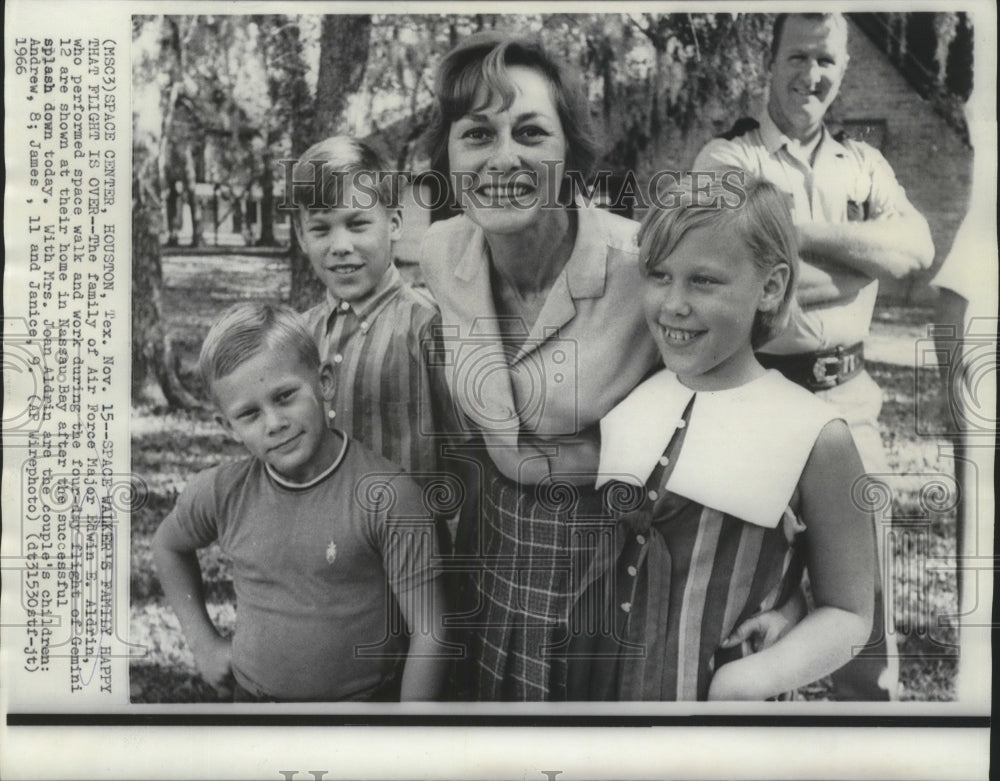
<point x="169" y="447"/>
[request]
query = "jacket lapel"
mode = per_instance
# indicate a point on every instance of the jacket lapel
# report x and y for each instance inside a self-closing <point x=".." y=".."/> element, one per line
<point x="583" y="276"/>
<point x="481" y="367"/>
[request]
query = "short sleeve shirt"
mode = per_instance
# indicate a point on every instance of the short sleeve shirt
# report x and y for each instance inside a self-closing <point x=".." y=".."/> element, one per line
<point x="316" y="570"/>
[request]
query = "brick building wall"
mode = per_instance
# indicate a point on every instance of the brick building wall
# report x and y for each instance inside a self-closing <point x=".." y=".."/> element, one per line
<point x="930" y="159"/>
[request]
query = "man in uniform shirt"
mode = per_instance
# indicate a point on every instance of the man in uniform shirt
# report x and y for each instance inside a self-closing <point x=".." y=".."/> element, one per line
<point x="855" y="227"/>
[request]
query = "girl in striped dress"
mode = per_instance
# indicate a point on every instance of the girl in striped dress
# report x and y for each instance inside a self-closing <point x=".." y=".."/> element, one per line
<point x="728" y="478"/>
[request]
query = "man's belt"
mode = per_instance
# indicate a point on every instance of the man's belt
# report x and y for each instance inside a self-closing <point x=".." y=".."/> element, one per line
<point x="820" y="370"/>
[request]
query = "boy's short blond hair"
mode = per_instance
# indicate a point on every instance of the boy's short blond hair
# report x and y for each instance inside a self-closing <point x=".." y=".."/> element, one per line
<point x="318" y="176"/>
<point x="760" y="215"/>
<point x="248" y="329"/>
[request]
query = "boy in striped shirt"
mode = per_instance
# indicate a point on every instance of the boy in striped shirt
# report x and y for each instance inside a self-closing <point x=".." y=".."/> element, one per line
<point x="374" y="330"/>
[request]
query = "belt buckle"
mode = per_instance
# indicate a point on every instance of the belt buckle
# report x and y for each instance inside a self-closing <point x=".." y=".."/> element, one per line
<point x="823" y="380"/>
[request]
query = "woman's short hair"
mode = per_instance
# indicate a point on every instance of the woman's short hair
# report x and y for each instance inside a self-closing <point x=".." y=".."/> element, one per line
<point x="477" y="67"/>
<point x="317" y="178"/>
<point x="247" y="329"/>
<point x="759" y="213"/>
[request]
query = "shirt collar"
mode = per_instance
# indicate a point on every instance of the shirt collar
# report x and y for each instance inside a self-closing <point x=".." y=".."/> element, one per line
<point x="293" y="486"/>
<point x="373" y="303"/>
<point x="774" y="139"/>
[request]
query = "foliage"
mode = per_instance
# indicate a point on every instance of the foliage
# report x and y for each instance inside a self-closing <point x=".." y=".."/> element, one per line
<point x="152" y="363"/>
<point x="223" y="99"/>
<point x="289" y="118"/>
<point x="229" y="93"/>
<point x="246" y="80"/>
<point x="249" y="90"/>
<point x="664" y="80"/>
<point x="652" y="78"/>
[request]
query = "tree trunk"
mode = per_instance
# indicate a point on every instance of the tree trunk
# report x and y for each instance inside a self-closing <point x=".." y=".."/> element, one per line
<point x="266" y="215"/>
<point x="154" y="375"/>
<point x="174" y="216"/>
<point x="190" y="182"/>
<point x="343" y="57"/>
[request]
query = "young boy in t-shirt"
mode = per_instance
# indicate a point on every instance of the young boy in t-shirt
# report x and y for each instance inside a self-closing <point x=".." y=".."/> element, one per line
<point x="373" y="329"/>
<point x="329" y="542"/>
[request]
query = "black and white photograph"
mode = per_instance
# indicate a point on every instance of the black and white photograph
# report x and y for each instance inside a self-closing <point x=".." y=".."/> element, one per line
<point x="436" y="372"/>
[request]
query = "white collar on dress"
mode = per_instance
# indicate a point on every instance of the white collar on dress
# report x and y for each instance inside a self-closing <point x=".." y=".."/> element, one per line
<point x="744" y="450"/>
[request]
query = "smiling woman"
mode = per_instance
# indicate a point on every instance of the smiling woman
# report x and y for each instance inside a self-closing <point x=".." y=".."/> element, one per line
<point x="538" y="298"/>
<point x="514" y="159"/>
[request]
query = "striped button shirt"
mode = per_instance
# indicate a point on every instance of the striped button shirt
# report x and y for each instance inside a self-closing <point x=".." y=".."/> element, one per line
<point x="386" y="395"/>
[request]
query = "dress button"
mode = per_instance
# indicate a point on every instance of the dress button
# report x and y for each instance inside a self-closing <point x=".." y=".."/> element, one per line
<point x="627" y="607"/>
<point x="681" y="423"/>
<point x="640" y="539"/>
<point x="632" y="571"/>
<point x="652" y="496"/>
<point x="344" y="306"/>
<point x="364" y="326"/>
<point x="664" y="460"/>
<point x="338" y="358"/>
